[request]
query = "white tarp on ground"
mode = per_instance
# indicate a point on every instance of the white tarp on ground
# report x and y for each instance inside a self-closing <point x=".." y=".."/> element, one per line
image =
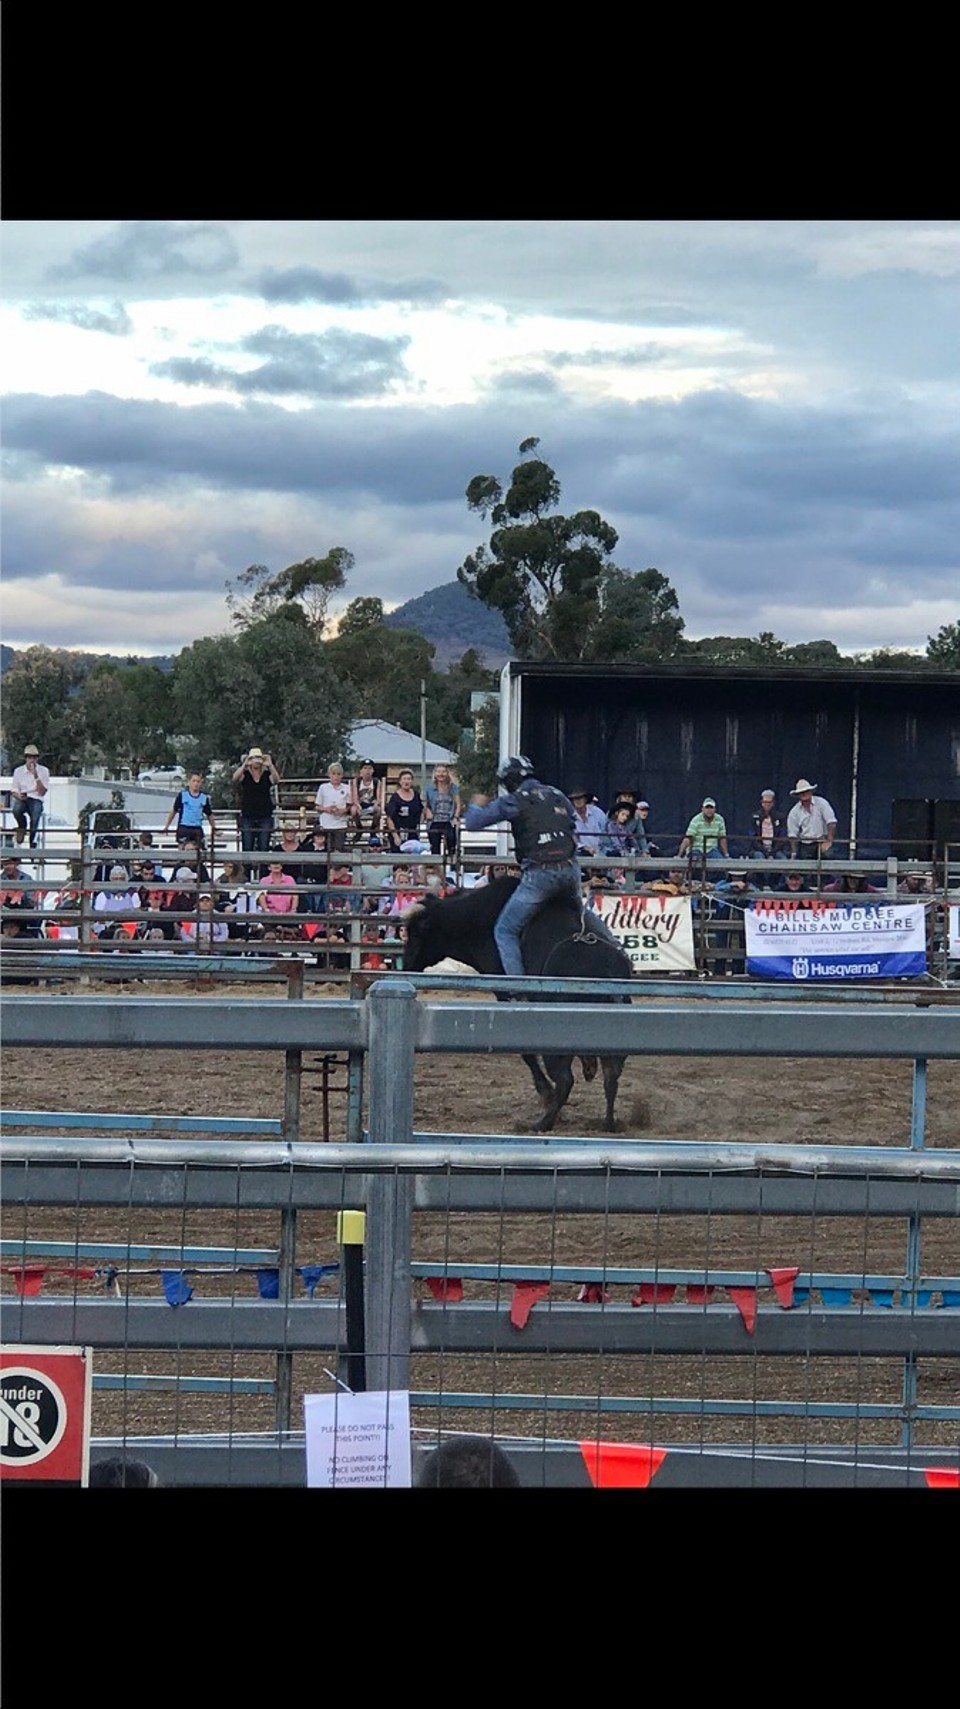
<point x="820" y="939"/>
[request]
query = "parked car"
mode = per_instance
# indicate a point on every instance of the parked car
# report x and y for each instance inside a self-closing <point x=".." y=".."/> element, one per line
<point x="174" y="775"/>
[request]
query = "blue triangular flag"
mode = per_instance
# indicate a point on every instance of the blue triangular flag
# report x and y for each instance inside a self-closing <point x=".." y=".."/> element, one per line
<point x="176" y="1287"/>
<point x="836" y="1296"/>
<point x="882" y="1296"/>
<point x="800" y="1296"/>
<point x="949" y="1298"/>
<point x="268" y="1284"/>
<point x="310" y="1274"/>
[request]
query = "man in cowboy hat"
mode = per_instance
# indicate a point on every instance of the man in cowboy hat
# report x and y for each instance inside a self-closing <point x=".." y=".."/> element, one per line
<point x="811" y="823"/>
<point x="256" y="776"/>
<point x="29" y="786"/>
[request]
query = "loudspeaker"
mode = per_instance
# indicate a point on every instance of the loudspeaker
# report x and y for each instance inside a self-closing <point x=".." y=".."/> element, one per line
<point x="946" y="825"/>
<point x="911" y="829"/>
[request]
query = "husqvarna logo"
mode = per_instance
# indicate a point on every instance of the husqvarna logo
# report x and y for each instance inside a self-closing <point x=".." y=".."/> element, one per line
<point x="800" y="967"/>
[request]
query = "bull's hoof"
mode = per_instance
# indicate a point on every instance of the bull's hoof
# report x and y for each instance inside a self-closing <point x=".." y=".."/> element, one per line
<point x="546" y="1125"/>
<point x="589" y="1064"/>
<point x="611" y="1125"/>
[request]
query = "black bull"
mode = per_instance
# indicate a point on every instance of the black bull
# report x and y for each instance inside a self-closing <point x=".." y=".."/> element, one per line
<point x="554" y="945"/>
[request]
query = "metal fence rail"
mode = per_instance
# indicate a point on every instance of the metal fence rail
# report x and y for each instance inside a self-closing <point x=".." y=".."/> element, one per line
<point x="420" y="1190"/>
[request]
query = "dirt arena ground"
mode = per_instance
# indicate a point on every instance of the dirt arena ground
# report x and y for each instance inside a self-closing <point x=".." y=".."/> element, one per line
<point x="791" y="1100"/>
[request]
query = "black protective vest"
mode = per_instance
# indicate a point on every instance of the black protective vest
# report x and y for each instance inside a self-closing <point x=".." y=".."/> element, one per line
<point x="542" y="832"/>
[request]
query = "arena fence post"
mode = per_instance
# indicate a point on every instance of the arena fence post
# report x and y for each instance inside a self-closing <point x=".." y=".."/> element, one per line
<point x="392" y="1012"/>
<point x="293" y="1064"/>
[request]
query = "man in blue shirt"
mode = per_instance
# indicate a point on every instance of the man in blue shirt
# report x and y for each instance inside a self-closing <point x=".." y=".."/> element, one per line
<point x="542" y="821"/>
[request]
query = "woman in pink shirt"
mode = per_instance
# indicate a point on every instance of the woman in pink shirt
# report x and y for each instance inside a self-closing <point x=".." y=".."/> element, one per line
<point x="279" y="892"/>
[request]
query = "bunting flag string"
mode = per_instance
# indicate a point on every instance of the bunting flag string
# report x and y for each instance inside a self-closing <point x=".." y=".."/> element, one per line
<point x="445" y="1289"/>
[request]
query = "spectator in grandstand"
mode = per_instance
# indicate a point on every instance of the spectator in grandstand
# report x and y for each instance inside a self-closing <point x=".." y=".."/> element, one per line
<point x="312" y="873"/>
<point x="915" y="883"/>
<point x="401" y="892"/>
<point x="372" y="955"/>
<point x="277" y="892"/>
<point x="15" y="884"/>
<point x="191" y="806"/>
<point x="191" y="856"/>
<point x="811" y="823"/>
<point x="119" y="1473"/>
<point x="375" y="874"/>
<point x="768" y="830"/>
<point x="404" y="811"/>
<point x="467" y="1462"/>
<point x="366" y="800"/>
<point x="853" y="884"/>
<point x="706" y="834"/>
<point x="181" y="899"/>
<point x="30" y="785"/>
<point x="795" y="883"/>
<point x="731" y="896"/>
<point x="119" y="898"/>
<point x="333" y="807"/>
<point x="256" y="778"/>
<point x="63" y="906"/>
<point x="590" y="821"/>
<point x="672" y="883"/>
<point x="620" y="838"/>
<point x="236" y="898"/>
<point x="208" y="928"/>
<point x="287" y="847"/>
<point x="493" y="869"/>
<point x="642" y="833"/>
<point x="442" y="813"/>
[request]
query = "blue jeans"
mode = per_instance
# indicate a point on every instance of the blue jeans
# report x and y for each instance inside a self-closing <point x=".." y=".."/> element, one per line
<point x="28" y="814"/>
<point x="538" y="885"/>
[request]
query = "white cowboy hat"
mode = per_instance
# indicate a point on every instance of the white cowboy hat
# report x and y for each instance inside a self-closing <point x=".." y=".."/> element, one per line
<point x="803" y="786"/>
<point x="255" y="754"/>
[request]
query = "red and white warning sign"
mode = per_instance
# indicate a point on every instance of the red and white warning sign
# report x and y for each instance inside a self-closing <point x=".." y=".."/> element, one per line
<point x="45" y="1414"/>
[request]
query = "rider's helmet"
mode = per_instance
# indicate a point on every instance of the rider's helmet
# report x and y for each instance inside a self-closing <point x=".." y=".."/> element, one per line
<point x="514" y="769"/>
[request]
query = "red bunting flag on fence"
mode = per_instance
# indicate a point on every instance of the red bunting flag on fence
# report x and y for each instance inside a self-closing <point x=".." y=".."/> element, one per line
<point x="525" y="1297"/>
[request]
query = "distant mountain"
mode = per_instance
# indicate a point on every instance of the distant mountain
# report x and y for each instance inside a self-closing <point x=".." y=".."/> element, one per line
<point x="454" y="622"/>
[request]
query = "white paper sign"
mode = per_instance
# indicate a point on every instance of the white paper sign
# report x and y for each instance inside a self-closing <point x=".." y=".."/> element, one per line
<point x="953" y="942"/>
<point x="358" y="1441"/>
<point x="655" y="931"/>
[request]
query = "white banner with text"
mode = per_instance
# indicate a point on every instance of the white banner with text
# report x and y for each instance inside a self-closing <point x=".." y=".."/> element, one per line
<point x="655" y="931"/>
<point x="811" y="938"/>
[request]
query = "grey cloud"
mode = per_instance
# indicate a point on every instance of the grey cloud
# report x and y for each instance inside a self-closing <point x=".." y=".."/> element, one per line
<point x="528" y="382"/>
<point x="153" y="249"/>
<point x="639" y="356"/>
<point x="724" y="495"/>
<point x="114" y="320"/>
<point x="342" y="290"/>
<point x="333" y="364"/>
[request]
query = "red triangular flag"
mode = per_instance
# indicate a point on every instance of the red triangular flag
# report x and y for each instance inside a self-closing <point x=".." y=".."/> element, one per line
<point x="592" y="1293"/>
<point x="525" y="1297"/>
<point x="30" y="1281"/>
<point x="942" y="1477"/>
<point x="698" y="1294"/>
<point x="745" y="1300"/>
<point x="445" y="1288"/>
<point x="654" y="1293"/>
<point x="619" y="1465"/>
<point x="783" y="1281"/>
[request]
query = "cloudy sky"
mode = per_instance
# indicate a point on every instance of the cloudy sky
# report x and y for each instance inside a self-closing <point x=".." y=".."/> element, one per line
<point x="767" y="412"/>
